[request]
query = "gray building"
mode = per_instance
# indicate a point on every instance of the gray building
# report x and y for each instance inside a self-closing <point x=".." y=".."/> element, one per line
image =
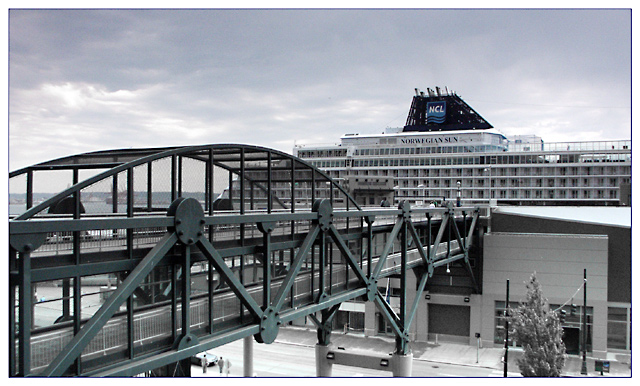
<point x="558" y="245"/>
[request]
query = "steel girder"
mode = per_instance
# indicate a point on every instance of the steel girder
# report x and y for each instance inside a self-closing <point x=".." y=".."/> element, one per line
<point x="184" y="243"/>
<point x="186" y="222"/>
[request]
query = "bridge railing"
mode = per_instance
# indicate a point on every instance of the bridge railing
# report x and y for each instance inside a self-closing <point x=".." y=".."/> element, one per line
<point x="215" y="310"/>
<point x="256" y="234"/>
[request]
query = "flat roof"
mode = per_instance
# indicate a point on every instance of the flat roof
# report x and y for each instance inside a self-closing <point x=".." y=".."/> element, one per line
<point x="607" y="215"/>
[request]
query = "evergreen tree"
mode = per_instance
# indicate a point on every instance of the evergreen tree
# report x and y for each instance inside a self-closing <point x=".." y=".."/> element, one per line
<point x="537" y="328"/>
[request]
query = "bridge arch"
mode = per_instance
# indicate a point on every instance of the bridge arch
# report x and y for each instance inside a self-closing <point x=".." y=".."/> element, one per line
<point x="251" y="178"/>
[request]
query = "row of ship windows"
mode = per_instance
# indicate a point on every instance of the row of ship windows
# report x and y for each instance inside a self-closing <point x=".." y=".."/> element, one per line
<point x="519" y="182"/>
<point x="429" y="150"/>
<point x="496" y="172"/>
<point x="360" y="163"/>
<point x="495" y="160"/>
<point x="387" y="151"/>
<point x="514" y="194"/>
<point x="550" y="179"/>
<point x="322" y="153"/>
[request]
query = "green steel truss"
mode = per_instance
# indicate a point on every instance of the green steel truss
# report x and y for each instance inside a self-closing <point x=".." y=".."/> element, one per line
<point x="330" y="245"/>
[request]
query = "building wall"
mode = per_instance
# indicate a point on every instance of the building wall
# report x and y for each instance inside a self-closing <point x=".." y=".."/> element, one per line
<point x="619" y="245"/>
<point x="559" y="261"/>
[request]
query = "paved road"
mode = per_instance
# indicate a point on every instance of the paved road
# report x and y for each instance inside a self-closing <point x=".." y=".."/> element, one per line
<point x="279" y="360"/>
<point x="286" y="360"/>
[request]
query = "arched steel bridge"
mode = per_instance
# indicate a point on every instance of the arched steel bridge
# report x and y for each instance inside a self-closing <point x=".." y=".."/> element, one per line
<point x="190" y="248"/>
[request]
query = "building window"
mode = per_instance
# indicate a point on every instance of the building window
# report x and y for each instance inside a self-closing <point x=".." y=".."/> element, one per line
<point x="498" y="317"/>
<point x="572" y="322"/>
<point x="618" y="328"/>
<point x="384" y="328"/>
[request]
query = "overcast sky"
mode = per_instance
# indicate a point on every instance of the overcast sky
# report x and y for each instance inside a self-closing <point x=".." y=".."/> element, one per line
<point x="85" y="80"/>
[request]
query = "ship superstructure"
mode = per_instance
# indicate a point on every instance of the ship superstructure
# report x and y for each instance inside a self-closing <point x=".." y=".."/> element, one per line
<point x="447" y="150"/>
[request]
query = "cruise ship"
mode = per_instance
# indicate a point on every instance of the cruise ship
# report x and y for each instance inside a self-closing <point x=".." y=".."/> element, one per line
<point x="447" y="151"/>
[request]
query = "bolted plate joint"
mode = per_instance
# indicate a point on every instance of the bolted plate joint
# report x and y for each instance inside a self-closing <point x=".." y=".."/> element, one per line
<point x="405" y="207"/>
<point x="185" y="342"/>
<point x="267" y="226"/>
<point x="372" y="289"/>
<point x="28" y="242"/>
<point x="325" y="213"/>
<point x="269" y="326"/>
<point x="323" y="297"/>
<point x="188" y="220"/>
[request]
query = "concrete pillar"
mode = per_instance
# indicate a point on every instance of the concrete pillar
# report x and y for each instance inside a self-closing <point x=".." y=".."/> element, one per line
<point x="421" y="321"/>
<point x="370" y="319"/>
<point x="402" y="365"/>
<point x="323" y="365"/>
<point x="247" y="356"/>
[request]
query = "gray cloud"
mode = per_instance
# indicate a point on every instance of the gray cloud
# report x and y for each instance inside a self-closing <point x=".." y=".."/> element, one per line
<point x="83" y="80"/>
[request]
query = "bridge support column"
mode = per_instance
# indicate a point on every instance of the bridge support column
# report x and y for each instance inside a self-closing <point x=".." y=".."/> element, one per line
<point x="402" y="364"/>
<point x="248" y="356"/>
<point x="323" y="365"/>
<point x="369" y="319"/>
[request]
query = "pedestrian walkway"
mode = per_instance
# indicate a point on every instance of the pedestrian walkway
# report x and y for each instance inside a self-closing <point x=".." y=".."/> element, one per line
<point x="442" y="352"/>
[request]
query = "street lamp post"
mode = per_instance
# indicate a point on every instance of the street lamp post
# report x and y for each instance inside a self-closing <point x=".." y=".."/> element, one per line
<point x="506" y="332"/>
<point x="583" y="371"/>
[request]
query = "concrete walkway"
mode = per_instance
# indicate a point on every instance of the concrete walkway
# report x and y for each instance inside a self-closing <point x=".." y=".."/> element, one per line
<point x="451" y="353"/>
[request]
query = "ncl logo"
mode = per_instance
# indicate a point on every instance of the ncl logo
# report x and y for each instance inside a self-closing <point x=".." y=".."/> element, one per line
<point x="436" y="112"/>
